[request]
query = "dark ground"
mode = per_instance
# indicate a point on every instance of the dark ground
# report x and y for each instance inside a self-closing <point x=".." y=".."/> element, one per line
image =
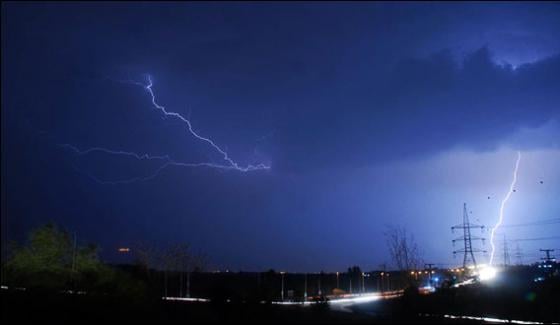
<point x="506" y="298"/>
<point x="22" y="307"/>
<point x="512" y="296"/>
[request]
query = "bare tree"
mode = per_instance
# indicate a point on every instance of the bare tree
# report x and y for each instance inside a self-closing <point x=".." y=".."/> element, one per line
<point x="148" y="257"/>
<point x="181" y="259"/>
<point x="403" y="248"/>
<point x="168" y="258"/>
<point x="177" y="258"/>
<point x="196" y="263"/>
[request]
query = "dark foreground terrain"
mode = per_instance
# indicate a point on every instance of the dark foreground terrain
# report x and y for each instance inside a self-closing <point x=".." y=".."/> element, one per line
<point x="508" y="298"/>
<point x="22" y="307"/>
<point x="511" y="297"/>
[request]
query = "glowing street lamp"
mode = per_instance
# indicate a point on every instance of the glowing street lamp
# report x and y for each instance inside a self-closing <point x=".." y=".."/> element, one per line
<point x="282" y="291"/>
<point x="337" y="282"/>
<point x="305" y="288"/>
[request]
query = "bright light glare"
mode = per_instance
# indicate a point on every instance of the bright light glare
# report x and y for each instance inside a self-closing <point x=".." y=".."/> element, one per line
<point x="487" y="273"/>
<point x="356" y="299"/>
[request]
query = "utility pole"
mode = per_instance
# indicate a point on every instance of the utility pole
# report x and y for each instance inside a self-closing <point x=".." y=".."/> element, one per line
<point x="382" y="274"/>
<point x="305" y="288"/>
<point x="189" y="284"/>
<point x="506" y="252"/>
<point x="282" y="291"/>
<point x="181" y="283"/>
<point x="74" y="249"/>
<point x="337" y="282"/>
<point x="518" y="254"/>
<point x="467" y="239"/>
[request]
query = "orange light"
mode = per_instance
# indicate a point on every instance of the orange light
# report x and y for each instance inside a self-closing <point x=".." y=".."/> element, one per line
<point x="124" y="250"/>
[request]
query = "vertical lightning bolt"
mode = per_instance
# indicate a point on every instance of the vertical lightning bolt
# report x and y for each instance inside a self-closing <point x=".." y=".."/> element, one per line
<point x="503" y="205"/>
<point x="229" y="163"/>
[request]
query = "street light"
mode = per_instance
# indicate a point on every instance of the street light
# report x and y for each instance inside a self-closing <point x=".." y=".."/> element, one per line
<point x="337" y="282"/>
<point x="188" y="284"/>
<point x="305" y="288"/>
<point x="282" y="291"/>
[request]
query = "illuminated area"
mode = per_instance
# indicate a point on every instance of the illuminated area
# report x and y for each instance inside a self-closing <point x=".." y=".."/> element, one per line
<point x="493" y="319"/>
<point x="356" y="299"/>
<point x="474" y="274"/>
<point x="487" y="273"/>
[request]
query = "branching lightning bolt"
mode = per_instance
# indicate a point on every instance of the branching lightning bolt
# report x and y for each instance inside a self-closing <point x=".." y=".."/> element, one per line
<point x="224" y="154"/>
<point x="166" y="160"/>
<point x="503" y="205"/>
<point x="113" y="152"/>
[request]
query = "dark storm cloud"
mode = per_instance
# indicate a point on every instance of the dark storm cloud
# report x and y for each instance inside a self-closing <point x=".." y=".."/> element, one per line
<point x="311" y="88"/>
<point x="335" y="84"/>
<point x="423" y="106"/>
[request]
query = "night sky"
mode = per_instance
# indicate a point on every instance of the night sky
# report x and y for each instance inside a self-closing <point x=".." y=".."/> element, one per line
<point x="368" y="115"/>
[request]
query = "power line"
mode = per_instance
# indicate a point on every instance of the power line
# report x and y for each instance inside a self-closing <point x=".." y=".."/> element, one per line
<point x="544" y="222"/>
<point x="538" y="238"/>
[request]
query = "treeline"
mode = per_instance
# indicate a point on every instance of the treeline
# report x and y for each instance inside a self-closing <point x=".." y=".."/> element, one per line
<point x="51" y="260"/>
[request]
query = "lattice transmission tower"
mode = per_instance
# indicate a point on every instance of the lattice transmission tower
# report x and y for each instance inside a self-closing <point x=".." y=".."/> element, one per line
<point x="468" y="250"/>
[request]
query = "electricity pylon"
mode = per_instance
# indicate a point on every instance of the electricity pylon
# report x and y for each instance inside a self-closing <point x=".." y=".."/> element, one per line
<point x="467" y="239"/>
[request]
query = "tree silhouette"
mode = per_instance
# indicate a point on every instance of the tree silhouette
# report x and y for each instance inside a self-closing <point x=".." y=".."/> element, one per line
<point x="403" y="248"/>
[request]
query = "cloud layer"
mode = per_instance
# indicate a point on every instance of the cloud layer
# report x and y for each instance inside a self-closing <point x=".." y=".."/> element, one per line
<point x="428" y="105"/>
